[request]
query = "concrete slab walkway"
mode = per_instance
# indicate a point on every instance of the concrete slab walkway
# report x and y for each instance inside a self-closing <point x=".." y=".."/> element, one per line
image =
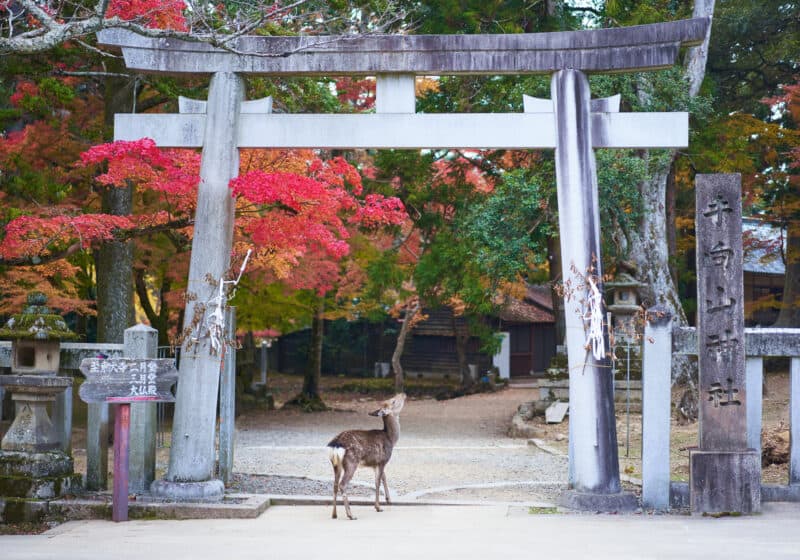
<point x="289" y="532"/>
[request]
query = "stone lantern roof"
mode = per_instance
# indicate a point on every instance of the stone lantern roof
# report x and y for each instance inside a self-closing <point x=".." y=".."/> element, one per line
<point x="623" y="280"/>
<point x="36" y="322"/>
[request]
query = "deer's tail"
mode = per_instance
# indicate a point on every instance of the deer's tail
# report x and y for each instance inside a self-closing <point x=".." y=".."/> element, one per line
<point x="336" y="454"/>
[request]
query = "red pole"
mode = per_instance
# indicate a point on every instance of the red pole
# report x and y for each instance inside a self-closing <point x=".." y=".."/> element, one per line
<point x="122" y="422"/>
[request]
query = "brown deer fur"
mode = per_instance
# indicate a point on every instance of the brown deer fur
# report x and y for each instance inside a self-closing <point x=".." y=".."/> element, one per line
<point x="372" y="448"/>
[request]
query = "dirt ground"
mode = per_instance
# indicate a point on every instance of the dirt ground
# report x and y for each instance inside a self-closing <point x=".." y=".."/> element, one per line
<point x="683" y="437"/>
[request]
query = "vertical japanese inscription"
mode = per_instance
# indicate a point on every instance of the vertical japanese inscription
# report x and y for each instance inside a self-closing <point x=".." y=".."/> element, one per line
<point x="720" y="321"/>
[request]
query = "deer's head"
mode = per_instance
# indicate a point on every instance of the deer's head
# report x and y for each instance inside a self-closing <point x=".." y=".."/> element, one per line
<point x="391" y="407"/>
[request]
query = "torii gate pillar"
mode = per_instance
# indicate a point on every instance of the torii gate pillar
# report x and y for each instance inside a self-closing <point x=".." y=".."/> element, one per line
<point x="191" y="460"/>
<point x="594" y="461"/>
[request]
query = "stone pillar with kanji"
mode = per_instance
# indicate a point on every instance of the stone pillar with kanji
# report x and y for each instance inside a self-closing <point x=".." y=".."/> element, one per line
<point x="725" y="474"/>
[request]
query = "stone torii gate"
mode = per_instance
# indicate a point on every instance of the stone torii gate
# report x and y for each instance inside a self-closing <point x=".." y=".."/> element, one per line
<point x="570" y="123"/>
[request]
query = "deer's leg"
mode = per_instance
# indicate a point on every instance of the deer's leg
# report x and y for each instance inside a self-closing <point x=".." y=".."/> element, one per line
<point x="337" y="472"/>
<point x="385" y="487"/>
<point x="349" y="471"/>
<point x="378" y="477"/>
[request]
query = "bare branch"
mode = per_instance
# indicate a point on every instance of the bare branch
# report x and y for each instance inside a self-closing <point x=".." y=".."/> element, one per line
<point x="53" y="31"/>
<point x="91" y="74"/>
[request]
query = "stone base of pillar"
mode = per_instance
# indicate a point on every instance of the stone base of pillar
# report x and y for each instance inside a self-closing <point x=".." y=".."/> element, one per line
<point x="723" y="482"/>
<point x="622" y="502"/>
<point x="35" y="465"/>
<point x="28" y="480"/>
<point x="203" y="491"/>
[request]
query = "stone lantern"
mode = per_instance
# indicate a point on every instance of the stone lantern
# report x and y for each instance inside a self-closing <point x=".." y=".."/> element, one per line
<point x="625" y="305"/>
<point x="36" y="336"/>
<point x="32" y="464"/>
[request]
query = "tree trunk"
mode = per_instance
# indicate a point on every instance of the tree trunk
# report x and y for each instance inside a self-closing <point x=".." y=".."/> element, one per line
<point x="408" y="321"/>
<point x="313" y="372"/>
<point x="114" y="259"/>
<point x="554" y="260"/>
<point x="649" y="245"/>
<point x="114" y="263"/>
<point x="159" y="320"/>
<point x="789" y="315"/>
<point x="461" y="334"/>
<point x="672" y="236"/>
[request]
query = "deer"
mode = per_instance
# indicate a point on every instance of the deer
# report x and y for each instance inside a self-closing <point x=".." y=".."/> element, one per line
<point x="372" y="448"/>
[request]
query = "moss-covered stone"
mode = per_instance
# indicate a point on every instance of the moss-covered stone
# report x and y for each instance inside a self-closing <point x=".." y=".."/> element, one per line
<point x="37" y="322"/>
<point x="40" y="488"/>
<point x="37" y="465"/>
<point x="20" y="510"/>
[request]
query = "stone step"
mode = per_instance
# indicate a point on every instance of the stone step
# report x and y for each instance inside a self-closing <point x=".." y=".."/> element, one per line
<point x="20" y="510"/>
<point x="42" y="488"/>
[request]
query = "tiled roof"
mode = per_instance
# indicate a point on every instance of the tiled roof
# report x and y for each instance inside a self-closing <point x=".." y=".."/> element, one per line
<point x="536" y="307"/>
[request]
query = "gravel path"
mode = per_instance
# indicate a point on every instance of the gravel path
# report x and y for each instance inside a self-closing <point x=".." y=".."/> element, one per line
<point x="448" y="450"/>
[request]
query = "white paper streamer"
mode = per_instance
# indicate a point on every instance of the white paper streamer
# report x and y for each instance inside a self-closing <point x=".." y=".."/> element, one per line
<point x="595" y="337"/>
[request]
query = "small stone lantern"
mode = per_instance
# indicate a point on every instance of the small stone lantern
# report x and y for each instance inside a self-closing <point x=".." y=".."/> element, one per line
<point x="625" y="305"/>
<point x="36" y="336"/>
<point x="33" y="467"/>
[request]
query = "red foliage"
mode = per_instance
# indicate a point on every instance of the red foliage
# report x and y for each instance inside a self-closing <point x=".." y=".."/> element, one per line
<point x="358" y="94"/>
<point x="377" y="211"/>
<point x="460" y="169"/>
<point x="24" y="89"/>
<point x="172" y="172"/>
<point x="160" y="14"/>
<point x="790" y="103"/>
<point x="293" y="218"/>
<point x="32" y="235"/>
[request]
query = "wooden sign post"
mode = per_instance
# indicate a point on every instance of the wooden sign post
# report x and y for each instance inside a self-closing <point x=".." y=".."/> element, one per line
<point x="123" y="381"/>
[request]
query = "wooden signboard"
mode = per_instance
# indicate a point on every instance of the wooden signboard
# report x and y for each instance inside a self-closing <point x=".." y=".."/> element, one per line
<point x="124" y="380"/>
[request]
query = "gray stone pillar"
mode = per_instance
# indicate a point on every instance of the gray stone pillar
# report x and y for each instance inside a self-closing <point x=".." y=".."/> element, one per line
<point x="62" y="417"/>
<point x="192" y="457"/>
<point x="725" y="475"/>
<point x="97" y="446"/>
<point x="141" y="341"/>
<point x="227" y="399"/>
<point x="754" y="386"/>
<point x="656" y="406"/>
<point x="593" y="458"/>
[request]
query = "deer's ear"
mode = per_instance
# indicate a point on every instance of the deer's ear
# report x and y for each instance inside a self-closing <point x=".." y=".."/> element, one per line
<point x="398" y="401"/>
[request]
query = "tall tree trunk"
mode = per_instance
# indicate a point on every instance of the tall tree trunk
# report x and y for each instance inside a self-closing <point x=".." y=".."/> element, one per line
<point x="158" y="320"/>
<point x="649" y="245"/>
<point x="313" y="372"/>
<point x="789" y="315"/>
<point x="408" y="322"/>
<point x="672" y="236"/>
<point x="554" y="262"/>
<point x="114" y="259"/>
<point x="114" y="263"/>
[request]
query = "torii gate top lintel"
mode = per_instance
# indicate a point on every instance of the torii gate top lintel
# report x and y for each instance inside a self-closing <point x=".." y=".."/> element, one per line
<point x="642" y="47"/>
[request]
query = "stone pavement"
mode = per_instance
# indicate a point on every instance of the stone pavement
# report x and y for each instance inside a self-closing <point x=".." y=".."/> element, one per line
<point x="420" y="532"/>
